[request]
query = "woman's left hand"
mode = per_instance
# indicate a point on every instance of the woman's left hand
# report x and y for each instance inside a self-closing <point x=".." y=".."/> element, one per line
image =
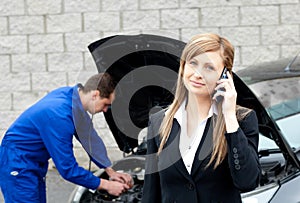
<point x="229" y="95"/>
<point x="228" y="103"/>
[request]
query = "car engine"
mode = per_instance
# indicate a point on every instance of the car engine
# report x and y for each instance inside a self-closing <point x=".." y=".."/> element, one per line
<point x="133" y="195"/>
<point x="131" y="165"/>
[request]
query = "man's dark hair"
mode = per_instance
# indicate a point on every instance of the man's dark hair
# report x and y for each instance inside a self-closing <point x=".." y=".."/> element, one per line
<point x="102" y="82"/>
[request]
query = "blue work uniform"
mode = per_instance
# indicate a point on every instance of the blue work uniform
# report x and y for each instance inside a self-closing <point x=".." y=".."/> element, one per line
<point x="43" y="131"/>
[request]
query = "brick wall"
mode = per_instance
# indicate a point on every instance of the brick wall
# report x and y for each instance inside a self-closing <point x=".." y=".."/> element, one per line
<point x="43" y="44"/>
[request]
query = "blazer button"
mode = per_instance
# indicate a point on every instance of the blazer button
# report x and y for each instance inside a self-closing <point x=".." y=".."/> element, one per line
<point x="234" y="149"/>
<point x="190" y="186"/>
<point x="237" y="167"/>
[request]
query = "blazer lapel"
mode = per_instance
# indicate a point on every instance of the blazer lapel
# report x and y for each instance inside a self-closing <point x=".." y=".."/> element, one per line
<point x="179" y="164"/>
<point x="170" y="155"/>
<point x="205" y="146"/>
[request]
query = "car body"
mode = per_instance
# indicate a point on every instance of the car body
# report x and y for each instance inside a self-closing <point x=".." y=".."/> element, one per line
<point x="146" y="66"/>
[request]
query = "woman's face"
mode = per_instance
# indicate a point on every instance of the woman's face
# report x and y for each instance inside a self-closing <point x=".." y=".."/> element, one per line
<point x="202" y="72"/>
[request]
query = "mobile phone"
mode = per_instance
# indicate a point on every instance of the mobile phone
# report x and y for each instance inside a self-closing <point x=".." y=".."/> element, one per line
<point x="222" y="76"/>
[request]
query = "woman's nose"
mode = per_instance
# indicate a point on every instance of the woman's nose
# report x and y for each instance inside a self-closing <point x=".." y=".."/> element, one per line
<point x="197" y="72"/>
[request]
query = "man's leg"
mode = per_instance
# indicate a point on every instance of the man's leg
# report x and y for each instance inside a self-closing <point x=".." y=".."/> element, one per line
<point x="20" y="184"/>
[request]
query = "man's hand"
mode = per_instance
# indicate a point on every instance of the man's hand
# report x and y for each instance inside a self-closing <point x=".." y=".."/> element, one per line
<point x="113" y="187"/>
<point x="120" y="177"/>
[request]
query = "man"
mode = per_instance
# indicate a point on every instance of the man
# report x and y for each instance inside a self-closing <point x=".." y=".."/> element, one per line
<point x="45" y="130"/>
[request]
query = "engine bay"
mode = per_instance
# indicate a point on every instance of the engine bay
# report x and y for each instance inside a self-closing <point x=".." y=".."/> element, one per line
<point x="133" y="165"/>
<point x="133" y="195"/>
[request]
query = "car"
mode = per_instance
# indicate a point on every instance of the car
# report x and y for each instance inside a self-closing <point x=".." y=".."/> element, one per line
<point x="145" y="68"/>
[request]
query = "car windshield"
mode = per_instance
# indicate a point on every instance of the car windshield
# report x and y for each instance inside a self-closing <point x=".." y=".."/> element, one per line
<point x="281" y="98"/>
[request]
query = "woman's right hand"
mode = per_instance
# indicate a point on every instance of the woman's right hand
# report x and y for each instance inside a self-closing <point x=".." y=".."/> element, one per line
<point x="113" y="187"/>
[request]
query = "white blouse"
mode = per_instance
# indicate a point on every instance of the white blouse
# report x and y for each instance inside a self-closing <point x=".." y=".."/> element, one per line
<point x="189" y="145"/>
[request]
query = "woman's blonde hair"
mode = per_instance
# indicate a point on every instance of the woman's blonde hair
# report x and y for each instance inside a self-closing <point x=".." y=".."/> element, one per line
<point x="197" y="45"/>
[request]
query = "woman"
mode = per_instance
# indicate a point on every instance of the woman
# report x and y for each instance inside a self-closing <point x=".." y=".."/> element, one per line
<point x="201" y="150"/>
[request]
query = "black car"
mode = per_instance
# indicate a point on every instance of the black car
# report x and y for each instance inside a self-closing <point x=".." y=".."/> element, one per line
<point x="145" y="68"/>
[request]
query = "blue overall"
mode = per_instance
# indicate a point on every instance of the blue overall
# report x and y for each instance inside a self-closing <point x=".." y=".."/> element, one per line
<point x="43" y="131"/>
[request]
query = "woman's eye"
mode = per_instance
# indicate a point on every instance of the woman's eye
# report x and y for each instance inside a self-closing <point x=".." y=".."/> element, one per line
<point x="211" y="68"/>
<point x="194" y="63"/>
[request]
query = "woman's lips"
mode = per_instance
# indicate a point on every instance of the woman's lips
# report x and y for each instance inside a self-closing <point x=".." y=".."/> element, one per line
<point x="196" y="84"/>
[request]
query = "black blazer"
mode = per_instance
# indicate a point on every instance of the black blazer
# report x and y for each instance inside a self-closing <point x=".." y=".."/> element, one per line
<point x="167" y="180"/>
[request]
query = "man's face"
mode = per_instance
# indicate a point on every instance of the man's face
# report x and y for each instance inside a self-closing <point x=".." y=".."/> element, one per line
<point x="102" y="104"/>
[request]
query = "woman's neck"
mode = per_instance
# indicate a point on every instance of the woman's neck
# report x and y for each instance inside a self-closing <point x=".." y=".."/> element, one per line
<point x="197" y="111"/>
<point x="198" y="107"/>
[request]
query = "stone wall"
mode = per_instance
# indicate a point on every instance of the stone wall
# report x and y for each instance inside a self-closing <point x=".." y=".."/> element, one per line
<point x="43" y="44"/>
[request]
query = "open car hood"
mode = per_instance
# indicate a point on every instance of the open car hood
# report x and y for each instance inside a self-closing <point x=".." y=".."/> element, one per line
<point x="145" y="68"/>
